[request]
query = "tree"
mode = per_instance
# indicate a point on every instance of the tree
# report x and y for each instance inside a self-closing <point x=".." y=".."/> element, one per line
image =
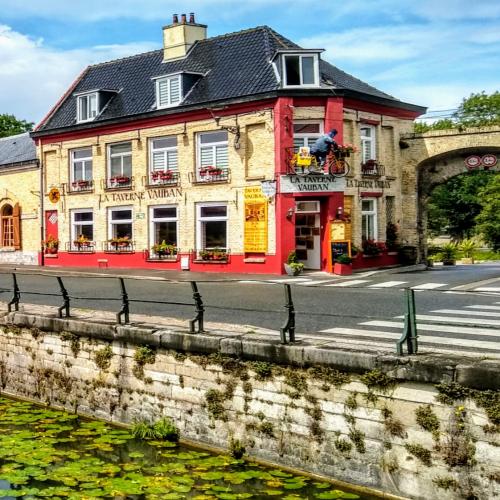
<point x="454" y="205"/>
<point x="10" y="125"/>
<point x="488" y="221"/>
<point x="475" y="111"/>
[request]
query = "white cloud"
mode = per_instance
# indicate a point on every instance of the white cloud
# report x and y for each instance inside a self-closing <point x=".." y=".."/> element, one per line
<point x="34" y="76"/>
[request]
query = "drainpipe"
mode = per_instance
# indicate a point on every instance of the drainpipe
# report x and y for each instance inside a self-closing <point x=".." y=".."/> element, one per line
<point x="42" y="218"/>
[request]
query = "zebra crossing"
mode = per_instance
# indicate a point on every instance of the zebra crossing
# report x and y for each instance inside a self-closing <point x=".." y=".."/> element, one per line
<point x="369" y="283"/>
<point x="474" y="330"/>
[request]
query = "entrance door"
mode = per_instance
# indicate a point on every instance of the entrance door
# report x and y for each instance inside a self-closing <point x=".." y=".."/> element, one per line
<point x="307" y="234"/>
<point x="51" y="224"/>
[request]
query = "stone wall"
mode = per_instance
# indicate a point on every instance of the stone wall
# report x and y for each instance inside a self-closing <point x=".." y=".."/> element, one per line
<point x="377" y="421"/>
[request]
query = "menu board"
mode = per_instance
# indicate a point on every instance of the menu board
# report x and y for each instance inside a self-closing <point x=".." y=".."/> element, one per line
<point x="255" y="220"/>
<point x="337" y="231"/>
<point x="340" y="247"/>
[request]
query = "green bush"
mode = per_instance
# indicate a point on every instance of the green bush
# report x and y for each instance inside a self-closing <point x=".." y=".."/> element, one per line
<point x="163" y="429"/>
<point x="468" y="247"/>
<point x="343" y="259"/>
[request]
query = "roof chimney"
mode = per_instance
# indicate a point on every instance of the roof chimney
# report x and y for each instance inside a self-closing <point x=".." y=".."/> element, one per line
<point x="179" y="37"/>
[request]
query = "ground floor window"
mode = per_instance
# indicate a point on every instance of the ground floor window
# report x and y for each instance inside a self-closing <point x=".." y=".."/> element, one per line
<point x="369" y="219"/>
<point x="82" y="229"/>
<point x="120" y="228"/>
<point x="163" y="231"/>
<point x="211" y="230"/>
<point x="7" y="227"/>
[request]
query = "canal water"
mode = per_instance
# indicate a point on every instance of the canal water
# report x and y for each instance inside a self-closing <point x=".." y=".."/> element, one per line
<point x="46" y="453"/>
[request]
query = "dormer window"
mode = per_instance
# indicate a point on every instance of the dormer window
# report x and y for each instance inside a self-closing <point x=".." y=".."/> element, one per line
<point x="168" y="91"/>
<point x="300" y="70"/>
<point x="87" y="107"/>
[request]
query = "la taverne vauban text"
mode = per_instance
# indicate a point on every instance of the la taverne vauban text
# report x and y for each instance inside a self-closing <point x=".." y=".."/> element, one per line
<point x="151" y="194"/>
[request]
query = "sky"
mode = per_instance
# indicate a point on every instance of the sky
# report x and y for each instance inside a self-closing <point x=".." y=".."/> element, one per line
<point x="428" y="52"/>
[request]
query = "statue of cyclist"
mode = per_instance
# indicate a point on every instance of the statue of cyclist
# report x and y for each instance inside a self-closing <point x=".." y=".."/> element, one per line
<point x="323" y="146"/>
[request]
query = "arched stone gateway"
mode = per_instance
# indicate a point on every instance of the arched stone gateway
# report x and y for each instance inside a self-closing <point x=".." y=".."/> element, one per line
<point x="432" y="158"/>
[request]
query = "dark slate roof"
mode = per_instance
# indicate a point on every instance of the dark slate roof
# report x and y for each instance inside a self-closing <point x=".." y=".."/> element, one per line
<point x="234" y="66"/>
<point x="17" y="149"/>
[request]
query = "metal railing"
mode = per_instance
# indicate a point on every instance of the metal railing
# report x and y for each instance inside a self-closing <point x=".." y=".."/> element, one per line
<point x="81" y="246"/>
<point x="210" y="175"/>
<point x="372" y="168"/>
<point x="162" y="178"/>
<point x="118" y="246"/>
<point x="406" y="344"/>
<point x="119" y="182"/>
<point x="80" y="186"/>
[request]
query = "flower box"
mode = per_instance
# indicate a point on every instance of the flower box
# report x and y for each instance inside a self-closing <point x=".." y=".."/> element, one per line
<point x="342" y="269"/>
<point x="120" y="180"/>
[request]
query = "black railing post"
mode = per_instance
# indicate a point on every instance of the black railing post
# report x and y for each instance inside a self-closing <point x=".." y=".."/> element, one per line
<point x="17" y="295"/>
<point x="200" y="310"/>
<point x="125" y="310"/>
<point x="289" y="326"/>
<point x="410" y="326"/>
<point x="65" y="296"/>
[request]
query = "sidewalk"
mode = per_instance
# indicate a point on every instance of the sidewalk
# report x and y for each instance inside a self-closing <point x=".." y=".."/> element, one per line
<point x="177" y="275"/>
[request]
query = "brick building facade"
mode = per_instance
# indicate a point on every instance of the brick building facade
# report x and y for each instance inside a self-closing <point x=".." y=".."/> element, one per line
<point x="182" y="157"/>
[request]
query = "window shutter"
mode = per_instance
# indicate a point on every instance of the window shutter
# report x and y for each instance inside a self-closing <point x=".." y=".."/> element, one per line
<point x="16" y="222"/>
<point x="207" y="156"/>
<point x="172" y="160"/>
<point x="175" y="90"/>
<point x="163" y="93"/>
<point x="221" y="159"/>
<point x="159" y="160"/>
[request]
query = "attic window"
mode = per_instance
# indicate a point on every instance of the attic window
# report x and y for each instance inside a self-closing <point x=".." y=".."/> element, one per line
<point x="168" y="91"/>
<point x="301" y="70"/>
<point x="87" y="107"/>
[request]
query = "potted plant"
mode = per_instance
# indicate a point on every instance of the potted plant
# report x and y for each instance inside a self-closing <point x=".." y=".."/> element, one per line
<point x="391" y="237"/>
<point x="343" y="265"/>
<point x="118" y="243"/>
<point x="81" y="242"/>
<point x="163" y="248"/>
<point x="449" y="254"/>
<point x="292" y="266"/>
<point x="371" y="248"/>
<point x="468" y="247"/>
<point x="51" y="244"/>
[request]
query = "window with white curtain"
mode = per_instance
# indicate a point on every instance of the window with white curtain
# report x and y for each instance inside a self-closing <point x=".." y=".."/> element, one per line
<point x="163" y="154"/>
<point x="305" y="133"/>
<point x="163" y="225"/>
<point x="168" y="91"/>
<point x="87" y="107"/>
<point x="81" y="164"/>
<point x="213" y="151"/>
<point x="369" y="219"/>
<point x="368" y="143"/>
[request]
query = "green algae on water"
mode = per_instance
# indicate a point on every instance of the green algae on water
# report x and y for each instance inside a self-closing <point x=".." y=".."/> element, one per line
<point x="46" y="453"/>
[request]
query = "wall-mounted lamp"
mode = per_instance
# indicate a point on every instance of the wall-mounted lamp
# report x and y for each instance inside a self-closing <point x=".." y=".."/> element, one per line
<point x="340" y="212"/>
<point x="289" y="213"/>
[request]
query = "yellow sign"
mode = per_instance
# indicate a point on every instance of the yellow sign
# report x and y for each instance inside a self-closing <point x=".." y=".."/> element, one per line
<point x="255" y="220"/>
<point x="54" y="195"/>
<point x="338" y="231"/>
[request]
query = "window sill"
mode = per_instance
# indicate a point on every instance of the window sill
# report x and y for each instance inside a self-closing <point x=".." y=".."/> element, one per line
<point x="201" y="261"/>
<point x="7" y="249"/>
<point x="81" y="191"/>
<point x="254" y="260"/>
<point x="118" y="251"/>
<point x="170" y="260"/>
<point x="51" y="256"/>
<point x="81" y="251"/>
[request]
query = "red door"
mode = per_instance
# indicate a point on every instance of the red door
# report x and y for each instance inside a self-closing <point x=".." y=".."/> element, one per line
<point x="51" y="224"/>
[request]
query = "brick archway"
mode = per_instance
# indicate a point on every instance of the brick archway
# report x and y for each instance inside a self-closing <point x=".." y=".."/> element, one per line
<point x="431" y="159"/>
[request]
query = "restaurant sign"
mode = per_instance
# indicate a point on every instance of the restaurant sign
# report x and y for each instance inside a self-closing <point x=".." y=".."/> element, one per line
<point x="311" y="183"/>
<point x="255" y="220"/>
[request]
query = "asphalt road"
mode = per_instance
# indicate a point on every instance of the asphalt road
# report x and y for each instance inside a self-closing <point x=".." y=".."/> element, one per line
<point x="321" y="301"/>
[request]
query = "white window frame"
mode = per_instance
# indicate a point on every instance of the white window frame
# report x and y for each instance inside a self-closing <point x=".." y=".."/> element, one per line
<point x="213" y="146"/>
<point x="84" y="160"/>
<point x="169" y="79"/>
<point x="371" y="140"/>
<point x="370" y="213"/>
<point x="309" y="139"/>
<point x="92" y="113"/>
<point x="122" y="155"/>
<point x="200" y="219"/>
<point x="122" y="221"/>
<point x="165" y="151"/>
<point x="74" y="235"/>
<point x="301" y="84"/>
<point x="152" y="221"/>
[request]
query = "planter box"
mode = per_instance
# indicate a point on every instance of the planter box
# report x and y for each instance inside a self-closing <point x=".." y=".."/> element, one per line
<point x="449" y="262"/>
<point x="342" y="269"/>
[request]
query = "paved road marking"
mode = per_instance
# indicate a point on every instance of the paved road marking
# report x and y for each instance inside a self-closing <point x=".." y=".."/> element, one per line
<point x="488" y="289"/>
<point x="350" y="283"/>
<point x="291" y="280"/>
<point x="496" y="308"/>
<point x="447" y="319"/>
<point x="474" y="284"/>
<point x="468" y="313"/>
<point x="429" y="340"/>
<point x="316" y="282"/>
<point x="428" y="286"/>
<point x="387" y="284"/>
<point x="370" y="344"/>
<point x="492" y="332"/>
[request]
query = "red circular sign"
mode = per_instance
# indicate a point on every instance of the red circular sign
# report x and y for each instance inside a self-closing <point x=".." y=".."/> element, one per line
<point x="489" y="161"/>
<point x="472" y="162"/>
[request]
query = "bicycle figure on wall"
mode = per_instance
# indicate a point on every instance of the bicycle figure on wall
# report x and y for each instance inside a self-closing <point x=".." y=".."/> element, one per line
<point x="325" y="157"/>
